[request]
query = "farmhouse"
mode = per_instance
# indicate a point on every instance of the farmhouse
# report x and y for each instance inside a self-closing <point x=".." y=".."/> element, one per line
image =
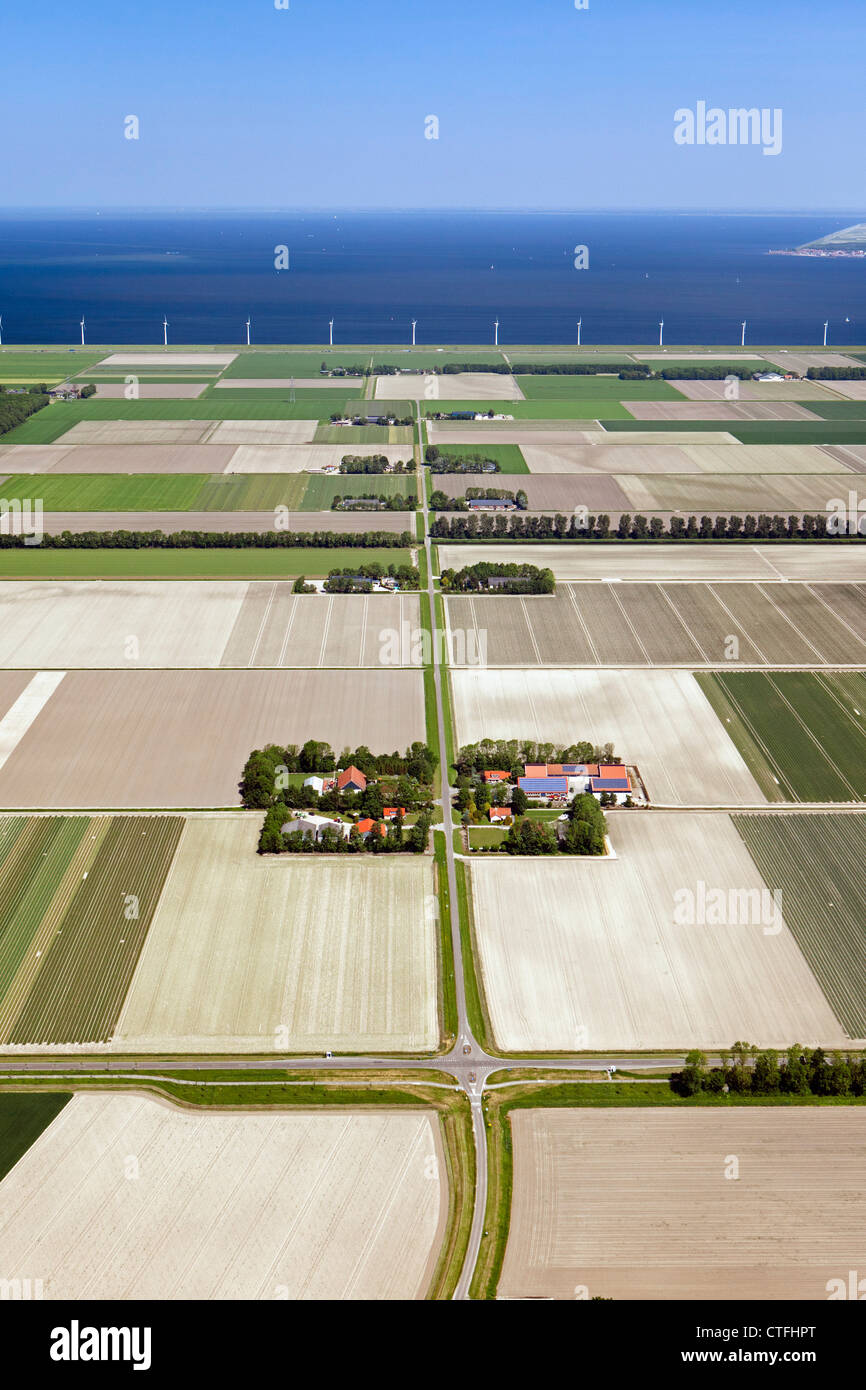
<point x="499" y="814"/>
<point x="553" y="783"/>
<point x="614" y="780"/>
<point x="550" y="790"/>
<point x="392" y="812"/>
<point x="497" y="776"/>
<point x="368" y="826"/>
<point x="491" y="504"/>
<point x="351" y="780"/>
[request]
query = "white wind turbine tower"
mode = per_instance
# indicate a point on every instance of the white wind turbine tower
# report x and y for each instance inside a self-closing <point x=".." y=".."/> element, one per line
<point x="414" y="324"/>
<point x="661" y="333"/>
<point x="579" y="322"/>
<point x="248" y="332"/>
<point x="165" y="330"/>
<point x="331" y="327"/>
<point x="826" y="326"/>
<point x="1" y="330"/>
<point x="496" y="333"/>
<point x="83" y="325"/>
<point x="743" y="335"/>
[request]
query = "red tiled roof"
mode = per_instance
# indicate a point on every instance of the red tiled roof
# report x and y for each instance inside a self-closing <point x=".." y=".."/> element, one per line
<point x="500" y="813"/>
<point x="394" y="811"/>
<point x="535" y="770"/>
<point x="351" y="774"/>
<point x="367" y="824"/>
<point x="497" y="776"/>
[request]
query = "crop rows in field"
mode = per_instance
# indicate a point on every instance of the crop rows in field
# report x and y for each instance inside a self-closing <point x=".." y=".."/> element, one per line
<point x="802" y="734"/>
<point x="78" y="898"/>
<point x="818" y="863"/>
<point x="204" y="492"/>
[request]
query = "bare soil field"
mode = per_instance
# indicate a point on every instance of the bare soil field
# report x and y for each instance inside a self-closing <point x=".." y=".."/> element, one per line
<point x="657" y="719"/>
<point x="851" y="390"/>
<point x="275" y="627"/>
<point x="552" y="433"/>
<point x="717" y="410"/>
<point x="721" y="562"/>
<point x="121" y="458"/>
<point x="258" y="432"/>
<point x="253" y="953"/>
<point x="598" y="624"/>
<point x="635" y="1204"/>
<point x="455" y="386"/>
<point x="331" y="1204"/>
<point x="19" y="717"/>
<point x="781" y="493"/>
<point x="553" y="492"/>
<point x="309" y="458"/>
<point x="152" y="390"/>
<point x="166" y="739"/>
<point x="599" y="458"/>
<point x="756" y="390"/>
<point x="168" y="359"/>
<point x="758" y="458"/>
<point x="851" y="456"/>
<point x="596" y="954"/>
<point x="341" y="523"/>
<point x="802" y="361"/>
<point x="138" y="431"/>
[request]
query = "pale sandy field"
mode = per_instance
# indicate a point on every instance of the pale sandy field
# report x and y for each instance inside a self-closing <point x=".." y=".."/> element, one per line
<point x="707" y="561"/>
<point x="138" y="431"/>
<point x="168" y="359"/>
<point x="851" y="390"/>
<point x="340" y="523"/>
<point x="851" y="456"/>
<point x="802" y="361"/>
<point x="587" y="954"/>
<point x="128" y="1197"/>
<point x="152" y="390"/>
<point x="310" y="458"/>
<point x="131" y="624"/>
<point x="658" y="719"/>
<point x="453" y="386"/>
<point x="123" y="739"/>
<point x="20" y="716"/>
<point x="718" y="410"/>
<point x="651" y="459"/>
<point x="121" y="458"/>
<point x="633" y="1204"/>
<point x="251" y="953"/>
<point x="738" y="493"/>
<point x="263" y="431"/>
<point x="555" y="432"/>
<point x="758" y="390"/>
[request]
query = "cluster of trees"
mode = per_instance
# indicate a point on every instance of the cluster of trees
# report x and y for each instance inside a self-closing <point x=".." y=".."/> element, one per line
<point x="374" y="463"/>
<point x="582" y="833"/>
<point x="637" y="369"/>
<point x="512" y="579"/>
<point x="407" y="576"/>
<point x="382" y="503"/>
<point x="15" y="409"/>
<point x="265" y="777"/>
<point x="836" y="373"/>
<point x="219" y="540"/>
<point x="512" y="755"/>
<point x="745" y="1070"/>
<point x="537" y="526"/>
<point x="441" y="502"/>
<point x="88" y="390"/>
<point x="332" y="370"/>
<point x="458" y="463"/>
<point x="356" y="418"/>
<point x="694" y="373"/>
<point x="396" y="840"/>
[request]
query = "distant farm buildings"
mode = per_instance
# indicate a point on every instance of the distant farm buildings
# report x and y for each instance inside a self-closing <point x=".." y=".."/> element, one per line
<point x="553" y="784"/>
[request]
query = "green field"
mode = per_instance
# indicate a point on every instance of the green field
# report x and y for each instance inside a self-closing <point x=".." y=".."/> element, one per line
<point x="508" y="456"/>
<point x="22" y="1119"/>
<point x="802" y="734"/>
<point x="48" y="366"/>
<point x="818" y="864"/>
<point x="110" y="492"/>
<point x="88" y="961"/>
<point x="367" y="434"/>
<point x="332" y="400"/>
<point x="322" y="489"/>
<point x="594" y="388"/>
<point x="277" y="562"/>
<point x="254" y="365"/>
<point x="50" y="423"/>
<point x="553" y="408"/>
<point x="837" y="410"/>
<point x="752" y="431"/>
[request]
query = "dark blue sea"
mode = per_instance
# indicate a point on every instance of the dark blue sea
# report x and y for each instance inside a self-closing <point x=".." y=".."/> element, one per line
<point x="454" y="272"/>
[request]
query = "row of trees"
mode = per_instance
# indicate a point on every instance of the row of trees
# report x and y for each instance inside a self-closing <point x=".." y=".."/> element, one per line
<point x="15" y="409"/>
<point x="582" y="527"/>
<point x="510" y="579"/>
<point x="374" y="463"/>
<point x="265" y="780"/>
<point x="836" y="373"/>
<point x="745" y="1070"/>
<point x="218" y="540"/>
<point x="511" y="755"/>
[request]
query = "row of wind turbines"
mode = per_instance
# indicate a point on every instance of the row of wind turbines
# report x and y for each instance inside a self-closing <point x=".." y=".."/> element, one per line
<point x="166" y="325"/>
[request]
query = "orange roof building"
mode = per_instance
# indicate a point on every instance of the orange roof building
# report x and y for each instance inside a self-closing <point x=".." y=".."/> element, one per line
<point x="498" y="776"/>
<point x="367" y="825"/>
<point x="351" y="780"/>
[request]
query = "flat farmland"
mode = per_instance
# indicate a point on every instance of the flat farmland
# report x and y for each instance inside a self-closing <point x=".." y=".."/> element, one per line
<point x="168" y="358"/>
<point x="732" y="493"/>
<point x="803" y="734"/>
<point x="818" y="864"/>
<point x="457" y="386"/>
<point x="312" y="458"/>
<point x="598" y="624"/>
<point x="633" y="1204"/>
<point x="79" y="896"/>
<point x="260" y="523"/>
<point x="589" y="954"/>
<point x="152" y="390"/>
<point x="657" y="719"/>
<point x="311" y="1205"/>
<point x="705" y="561"/>
<point x="596" y="388"/>
<point x="164" y="739"/>
<point x="127" y="459"/>
<point x="758" y="390"/>
<point x="252" y="562"/>
<point x="138" y="431"/>
<point x="254" y="953"/>
<point x="107" y="492"/>
<point x="273" y="365"/>
<point x="275" y="627"/>
<point x="718" y="410"/>
<point x="552" y="492"/>
<point x="23" y="1117"/>
<point x="352" y="435"/>
<point x="19" y="365"/>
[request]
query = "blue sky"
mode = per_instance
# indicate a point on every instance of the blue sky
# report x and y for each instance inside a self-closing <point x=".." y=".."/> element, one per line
<point x="540" y="105"/>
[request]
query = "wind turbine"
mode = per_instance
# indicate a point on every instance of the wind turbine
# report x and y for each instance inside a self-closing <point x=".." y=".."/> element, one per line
<point x="661" y="332"/>
<point x="579" y="322"/>
<point x="165" y="330"/>
<point x="1" y="330"/>
<point x="331" y="327"/>
<point x="496" y="333"/>
<point x="414" y="322"/>
<point x="248" y="332"/>
<point x="743" y="336"/>
<point x="82" y="330"/>
<point x="826" y="326"/>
